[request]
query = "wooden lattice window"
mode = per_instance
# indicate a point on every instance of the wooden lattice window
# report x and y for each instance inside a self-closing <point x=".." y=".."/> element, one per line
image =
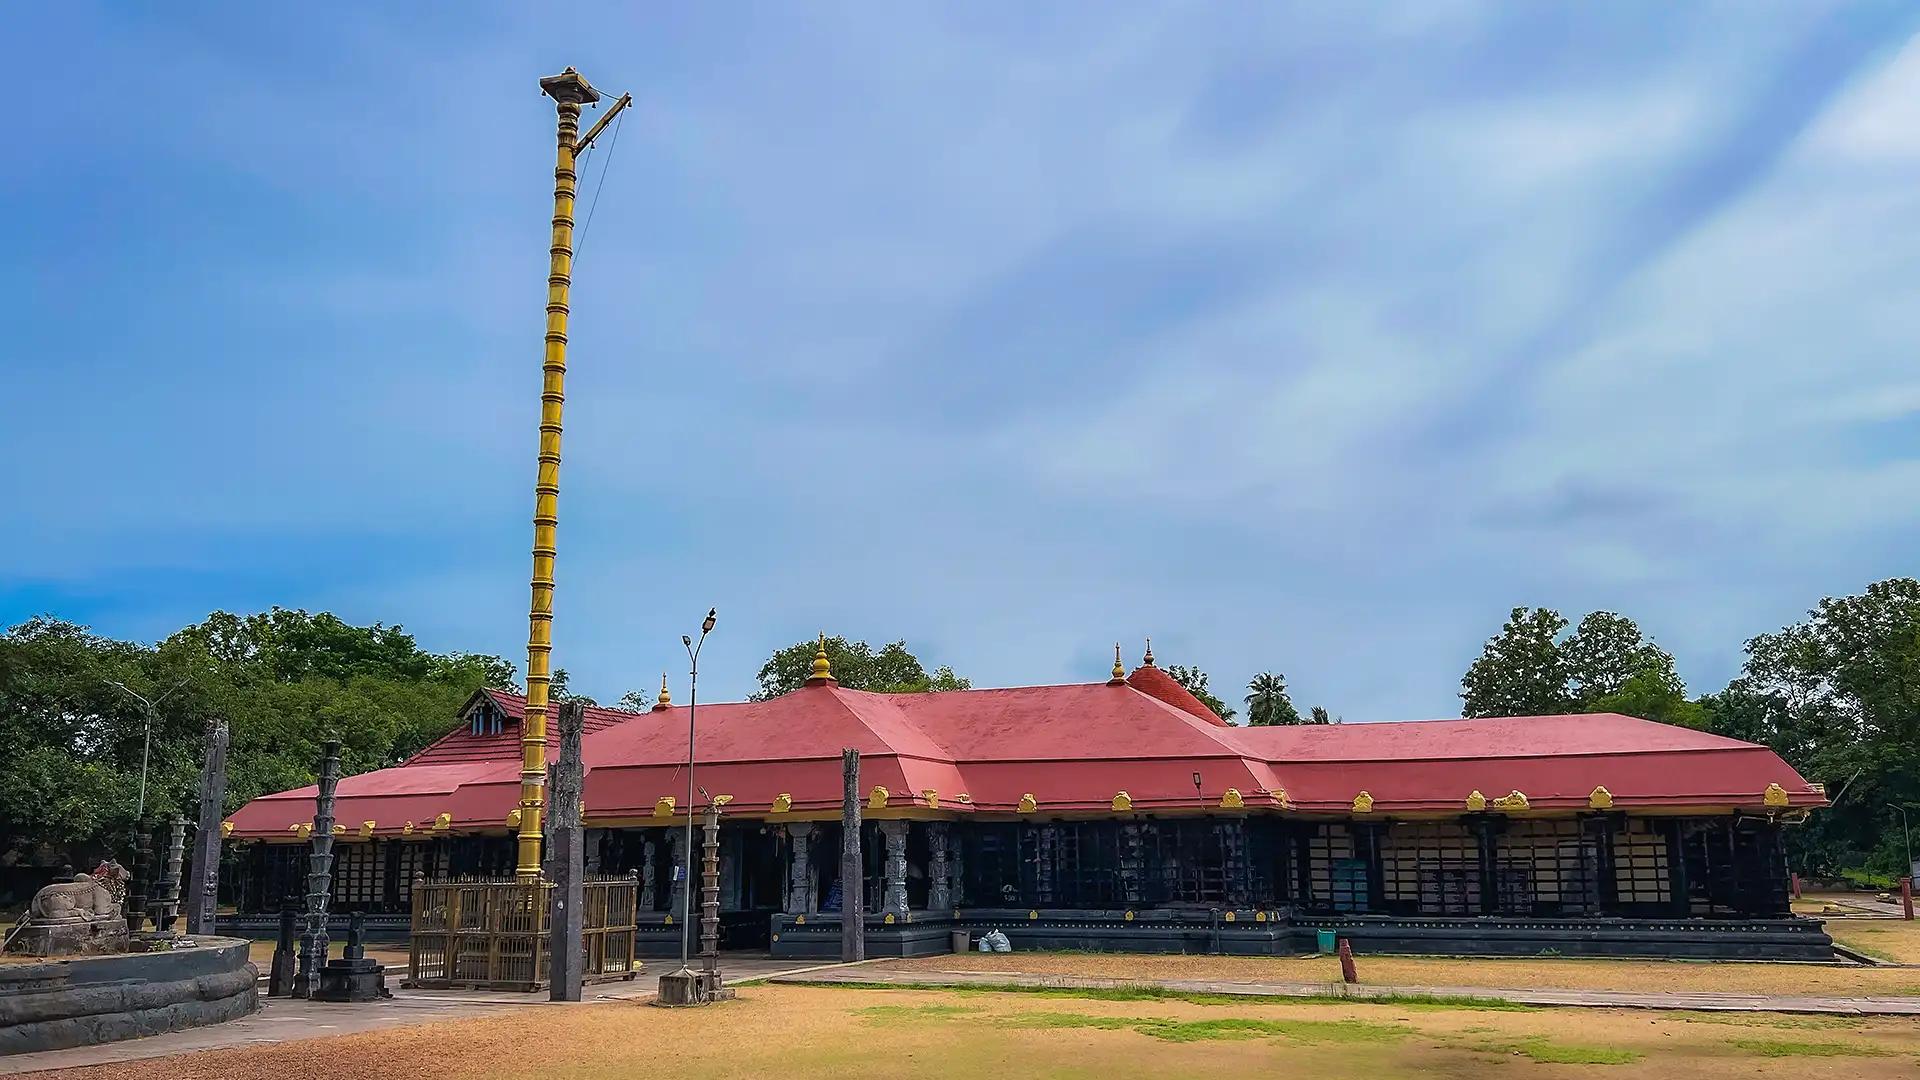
<point x="1336" y="869"/>
<point x="1431" y="868"/>
<point x="1640" y="870"/>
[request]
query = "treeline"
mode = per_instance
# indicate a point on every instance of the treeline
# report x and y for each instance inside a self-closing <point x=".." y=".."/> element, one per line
<point x="73" y="725"/>
<point x="1837" y="695"/>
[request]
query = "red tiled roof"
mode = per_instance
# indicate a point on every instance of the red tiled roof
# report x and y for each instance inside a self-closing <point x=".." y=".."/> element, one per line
<point x="1150" y="680"/>
<point x="1073" y="748"/>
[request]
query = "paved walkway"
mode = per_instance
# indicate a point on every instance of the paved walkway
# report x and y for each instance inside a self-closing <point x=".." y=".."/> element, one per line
<point x="1598" y="999"/>
<point x="286" y="1019"/>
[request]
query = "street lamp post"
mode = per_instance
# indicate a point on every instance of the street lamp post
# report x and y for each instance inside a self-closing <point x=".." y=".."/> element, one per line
<point x="1905" y="836"/>
<point x="148" y="709"/>
<point x="693" y="703"/>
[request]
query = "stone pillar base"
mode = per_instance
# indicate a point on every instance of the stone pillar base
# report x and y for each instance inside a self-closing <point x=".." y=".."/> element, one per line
<point x="682" y="988"/>
<point x="352" y="980"/>
<point x="88" y="937"/>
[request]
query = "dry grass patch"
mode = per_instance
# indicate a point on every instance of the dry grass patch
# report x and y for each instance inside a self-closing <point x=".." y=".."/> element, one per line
<point x="817" y="1033"/>
<point x="1417" y="971"/>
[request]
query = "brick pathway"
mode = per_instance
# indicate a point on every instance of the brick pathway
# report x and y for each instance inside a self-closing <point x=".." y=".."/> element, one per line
<point x="1603" y="999"/>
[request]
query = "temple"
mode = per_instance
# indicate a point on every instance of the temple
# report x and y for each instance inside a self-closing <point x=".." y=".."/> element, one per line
<point x="1111" y="815"/>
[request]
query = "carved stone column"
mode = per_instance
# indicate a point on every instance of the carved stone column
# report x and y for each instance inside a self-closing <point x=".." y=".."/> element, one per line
<point x="939" y="881"/>
<point x="710" y="893"/>
<point x="566" y="861"/>
<point x="894" y="900"/>
<point x="800" y="891"/>
<point x="170" y="877"/>
<point x="313" y="943"/>
<point x="957" y="865"/>
<point x="648" y="872"/>
<point x="204" y="894"/>
<point x="1233" y="847"/>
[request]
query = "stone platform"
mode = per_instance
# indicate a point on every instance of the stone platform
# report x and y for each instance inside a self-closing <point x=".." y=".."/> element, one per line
<point x="81" y="1000"/>
<point x="1279" y="932"/>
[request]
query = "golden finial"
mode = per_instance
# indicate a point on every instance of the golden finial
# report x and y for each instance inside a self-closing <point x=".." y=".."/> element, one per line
<point x="1148" y="659"/>
<point x="665" y="701"/>
<point x="1119" y="668"/>
<point x="822" y="667"/>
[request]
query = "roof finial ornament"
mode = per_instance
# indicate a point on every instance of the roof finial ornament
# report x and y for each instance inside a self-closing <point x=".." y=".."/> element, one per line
<point x="822" y="667"/>
<point x="665" y="700"/>
<point x="1148" y="659"/>
<point x="1119" y="668"/>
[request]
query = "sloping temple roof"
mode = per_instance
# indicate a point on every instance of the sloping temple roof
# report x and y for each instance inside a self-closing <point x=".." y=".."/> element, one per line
<point x="1087" y="748"/>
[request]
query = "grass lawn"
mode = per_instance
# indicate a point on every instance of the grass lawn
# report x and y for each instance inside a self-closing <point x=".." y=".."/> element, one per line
<point x="797" y="1033"/>
<point x="1453" y="971"/>
<point x="1883" y="939"/>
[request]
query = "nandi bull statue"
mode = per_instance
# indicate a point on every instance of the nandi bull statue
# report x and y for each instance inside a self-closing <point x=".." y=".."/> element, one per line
<point x="70" y="918"/>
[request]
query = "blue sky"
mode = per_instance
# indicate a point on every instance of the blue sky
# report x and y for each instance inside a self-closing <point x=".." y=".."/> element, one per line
<point x="1307" y="338"/>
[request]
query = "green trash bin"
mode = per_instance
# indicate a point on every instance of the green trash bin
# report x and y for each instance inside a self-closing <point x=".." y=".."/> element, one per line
<point x="1326" y="943"/>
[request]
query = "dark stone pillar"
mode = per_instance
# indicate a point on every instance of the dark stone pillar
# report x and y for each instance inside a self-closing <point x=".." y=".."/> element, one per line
<point x="800" y="890"/>
<point x="204" y="897"/>
<point x="280" y="972"/>
<point x="142" y="882"/>
<point x="1486" y="830"/>
<point x="1681" y="893"/>
<point x="894" y="900"/>
<point x="1233" y="851"/>
<point x="1606" y="884"/>
<point x="1375" y="835"/>
<point x="313" y="943"/>
<point x="853" y="936"/>
<point x="939" y="871"/>
<point x="566" y="944"/>
<point x="1303" y="866"/>
<point x="649" y="852"/>
<point x="957" y="864"/>
<point x="677" y="887"/>
<point x="1132" y="862"/>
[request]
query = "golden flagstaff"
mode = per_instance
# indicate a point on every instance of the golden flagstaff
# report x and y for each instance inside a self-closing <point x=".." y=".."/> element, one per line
<point x="569" y="90"/>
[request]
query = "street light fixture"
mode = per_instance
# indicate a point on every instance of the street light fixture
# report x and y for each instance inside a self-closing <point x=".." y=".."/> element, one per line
<point x="693" y="703"/>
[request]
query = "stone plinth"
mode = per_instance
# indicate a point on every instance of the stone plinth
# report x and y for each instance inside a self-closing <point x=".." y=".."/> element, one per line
<point x="682" y="988"/>
<point x="353" y="980"/>
<point x="77" y="937"/>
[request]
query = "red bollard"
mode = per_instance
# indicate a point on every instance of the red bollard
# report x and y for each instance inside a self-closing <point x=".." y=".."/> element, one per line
<point x="1346" y="957"/>
<point x="1906" y="898"/>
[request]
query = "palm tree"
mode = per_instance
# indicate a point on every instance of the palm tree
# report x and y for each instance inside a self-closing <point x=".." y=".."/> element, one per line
<point x="1267" y="701"/>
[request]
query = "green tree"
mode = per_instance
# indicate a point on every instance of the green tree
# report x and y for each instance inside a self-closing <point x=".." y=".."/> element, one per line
<point x="284" y="681"/>
<point x="856" y="666"/>
<point x="1522" y="671"/>
<point x="634" y="701"/>
<point x="1318" y="715"/>
<point x="1195" y="681"/>
<point x="1838" y="696"/>
<point x="558" y="689"/>
<point x="1267" y="701"/>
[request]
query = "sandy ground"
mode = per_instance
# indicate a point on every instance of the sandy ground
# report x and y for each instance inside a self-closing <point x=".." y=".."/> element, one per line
<point x="1450" y="971"/>
<point x="801" y="1032"/>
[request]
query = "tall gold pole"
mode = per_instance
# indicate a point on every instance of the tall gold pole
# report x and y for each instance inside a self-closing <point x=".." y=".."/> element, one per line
<point x="569" y="91"/>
